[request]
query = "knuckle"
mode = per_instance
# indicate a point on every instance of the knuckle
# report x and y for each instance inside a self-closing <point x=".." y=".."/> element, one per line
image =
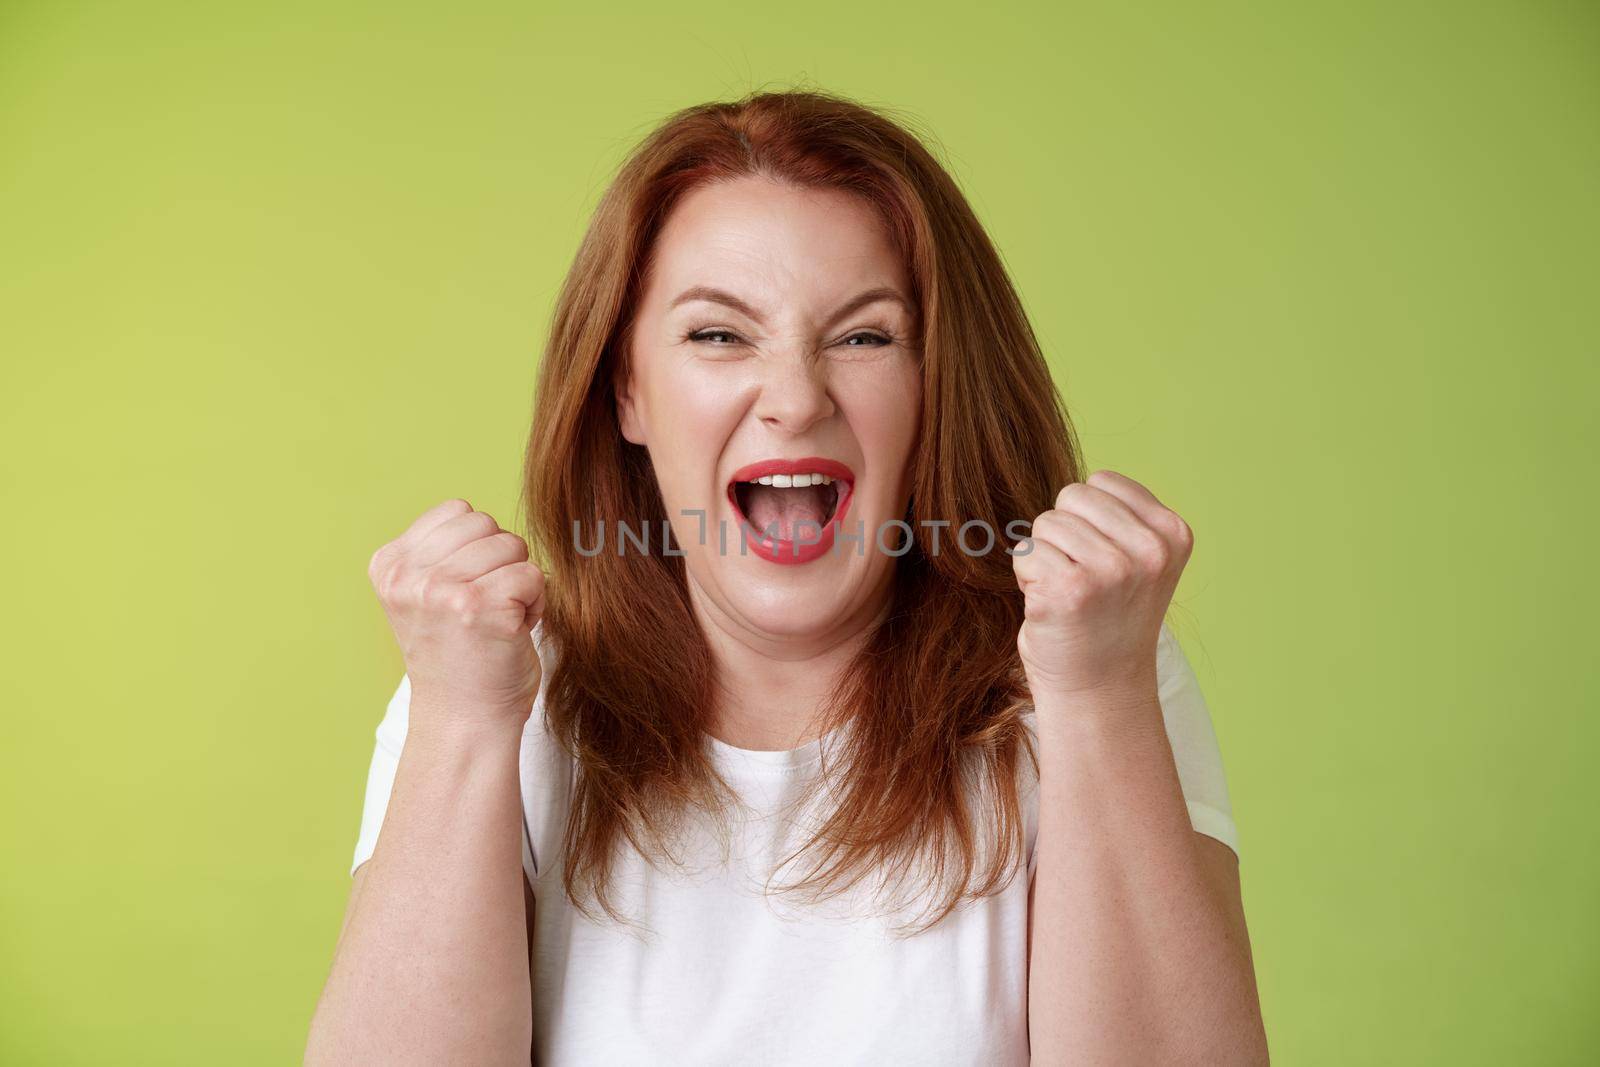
<point x="1154" y="553"/>
<point x="1051" y="520"/>
<point x="515" y="542"/>
<point x="391" y="589"/>
<point x="461" y="602"/>
<point x="1072" y="521"/>
<point x="432" y="590"/>
<point x="1181" y="531"/>
<point x="385" y="574"/>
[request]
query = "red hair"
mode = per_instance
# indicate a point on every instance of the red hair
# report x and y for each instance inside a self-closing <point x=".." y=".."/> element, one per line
<point x="933" y="703"/>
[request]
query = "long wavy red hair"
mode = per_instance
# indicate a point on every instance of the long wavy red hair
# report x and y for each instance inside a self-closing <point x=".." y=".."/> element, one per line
<point x="933" y="703"/>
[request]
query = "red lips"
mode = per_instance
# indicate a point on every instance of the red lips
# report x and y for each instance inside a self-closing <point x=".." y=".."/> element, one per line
<point x="775" y="550"/>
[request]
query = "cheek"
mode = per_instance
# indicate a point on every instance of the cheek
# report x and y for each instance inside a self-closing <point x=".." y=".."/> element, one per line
<point x="883" y="410"/>
<point x="692" y="412"/>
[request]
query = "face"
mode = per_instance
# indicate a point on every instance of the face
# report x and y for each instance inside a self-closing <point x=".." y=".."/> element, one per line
<point x="775" y="343"/>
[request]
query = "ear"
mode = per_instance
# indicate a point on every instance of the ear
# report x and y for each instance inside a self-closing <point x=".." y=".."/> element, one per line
<point x="629" y="420"/>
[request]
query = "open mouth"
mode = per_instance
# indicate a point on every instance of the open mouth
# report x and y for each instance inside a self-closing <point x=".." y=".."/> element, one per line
<point x="791" y="508"/>
<point x="782" y="502"/>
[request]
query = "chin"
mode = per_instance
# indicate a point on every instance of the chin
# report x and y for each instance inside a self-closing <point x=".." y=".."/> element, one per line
<point x="784" y="601"/>
<point x="790" y="619"/>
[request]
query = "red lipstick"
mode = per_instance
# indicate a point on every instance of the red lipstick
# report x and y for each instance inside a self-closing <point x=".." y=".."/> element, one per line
<point x="777" y="550"/>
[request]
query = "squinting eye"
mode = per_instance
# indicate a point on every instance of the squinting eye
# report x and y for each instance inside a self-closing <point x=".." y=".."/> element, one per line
<point x="706" y="335"/>
<point x="873" y="340"/>
<point x="881" y="340"/>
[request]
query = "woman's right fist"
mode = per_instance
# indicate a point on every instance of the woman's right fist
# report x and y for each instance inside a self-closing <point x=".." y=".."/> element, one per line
<point x="462" y="599"/>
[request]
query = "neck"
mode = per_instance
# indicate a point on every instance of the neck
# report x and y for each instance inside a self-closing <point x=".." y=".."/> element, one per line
<point x="769" y="689"/>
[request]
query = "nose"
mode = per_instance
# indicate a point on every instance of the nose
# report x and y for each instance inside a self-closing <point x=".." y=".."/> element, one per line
<point x="794" y="395"/>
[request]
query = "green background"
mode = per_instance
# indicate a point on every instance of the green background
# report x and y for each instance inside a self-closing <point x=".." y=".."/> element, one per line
<point x="274" y="278"/>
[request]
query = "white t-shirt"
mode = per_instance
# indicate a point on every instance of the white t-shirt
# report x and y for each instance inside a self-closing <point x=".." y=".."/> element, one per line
<point x="724" y="975"/>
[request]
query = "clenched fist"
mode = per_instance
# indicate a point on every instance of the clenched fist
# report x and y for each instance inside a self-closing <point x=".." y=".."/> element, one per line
<point x="462" y="599"/>
<point x="1103" y="567"/>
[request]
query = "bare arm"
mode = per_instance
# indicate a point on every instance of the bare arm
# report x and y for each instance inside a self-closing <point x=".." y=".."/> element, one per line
<point x="1138" y="948"/>
<point x="1137" y="944"/>
<point x="432" y="965"/>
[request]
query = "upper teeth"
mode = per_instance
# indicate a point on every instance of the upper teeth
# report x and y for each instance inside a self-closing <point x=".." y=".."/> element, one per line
<point x="797" y="481"/>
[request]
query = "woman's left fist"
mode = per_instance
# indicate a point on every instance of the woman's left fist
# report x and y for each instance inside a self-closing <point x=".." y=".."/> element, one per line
<point x="1097" y="580"/>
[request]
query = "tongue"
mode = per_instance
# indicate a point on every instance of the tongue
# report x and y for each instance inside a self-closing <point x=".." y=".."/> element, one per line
<point x="786" y="509"/>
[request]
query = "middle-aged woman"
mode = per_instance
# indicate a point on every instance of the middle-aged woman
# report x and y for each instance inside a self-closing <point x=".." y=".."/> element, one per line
<point x="896" y="644"/>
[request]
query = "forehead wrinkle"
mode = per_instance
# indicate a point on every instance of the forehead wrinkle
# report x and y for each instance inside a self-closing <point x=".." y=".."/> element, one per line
<point x="686" y="262"/>
<point x="769" y="283"/>
<point x="777" y="256"/>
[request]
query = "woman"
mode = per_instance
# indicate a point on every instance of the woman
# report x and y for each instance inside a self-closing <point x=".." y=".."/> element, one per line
<point x="895" y="644"/>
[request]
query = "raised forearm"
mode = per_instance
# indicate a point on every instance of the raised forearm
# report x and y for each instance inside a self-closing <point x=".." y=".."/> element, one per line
<point x="433" y="966"/>
<point x="1134" y="959"/>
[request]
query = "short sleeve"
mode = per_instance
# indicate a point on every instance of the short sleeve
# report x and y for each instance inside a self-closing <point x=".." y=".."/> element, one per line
<point x="390" y="742"/>
<point x="1194" y="742"/>
<point x="1194" y="749"/>
<point x="391" y="738"/>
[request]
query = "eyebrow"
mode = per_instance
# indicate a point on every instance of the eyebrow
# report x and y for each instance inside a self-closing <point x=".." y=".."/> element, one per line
<point x="714" y="295"/>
